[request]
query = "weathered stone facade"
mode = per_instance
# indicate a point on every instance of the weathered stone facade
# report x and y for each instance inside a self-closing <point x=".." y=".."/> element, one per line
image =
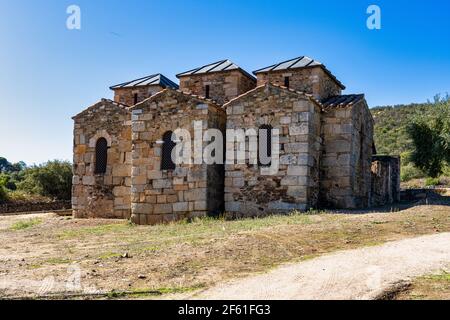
<point x="189" y="190"/>
<point x="385" y="180"/>
<point x="131" y="96"/>
<point x="105" y="195"/>
<point x="223" y="86"/>
<point x="251" y="189"/>
<point x="347" y="155"/>
<point x="321" y="156"/>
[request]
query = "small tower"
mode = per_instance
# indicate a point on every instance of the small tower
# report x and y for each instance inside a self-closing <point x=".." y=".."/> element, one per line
<point x="302" y="74"/>
<point x="135" y="91"/>
<point x="220" y="81"/>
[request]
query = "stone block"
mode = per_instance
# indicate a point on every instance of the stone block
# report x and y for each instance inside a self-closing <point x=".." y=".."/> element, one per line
<point x="162" y="208"/>
<point x="297" y="170"/>
<point x="195" y="194"/>
<point x="89" y="180"/>
<point x="161" y="183"/>
<point x="141" y="208"/>
<point x="296" y="191"/>
<point x="299" y="129"/>
<point x="180" y="207"/>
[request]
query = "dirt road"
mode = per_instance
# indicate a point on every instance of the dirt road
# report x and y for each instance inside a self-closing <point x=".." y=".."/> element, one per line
<point x="353" y="274"/>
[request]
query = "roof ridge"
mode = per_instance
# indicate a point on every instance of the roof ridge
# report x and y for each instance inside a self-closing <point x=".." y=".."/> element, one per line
<point x="343" y="100"/>
<point x="159" y="78"/>
<point x="211" y="68"/>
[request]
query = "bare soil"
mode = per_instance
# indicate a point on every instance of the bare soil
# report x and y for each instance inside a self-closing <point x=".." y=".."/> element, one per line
<point x="365" y="273"/>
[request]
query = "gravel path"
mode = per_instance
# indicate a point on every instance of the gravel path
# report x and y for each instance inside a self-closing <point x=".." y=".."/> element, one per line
<point x="354" y="274"/>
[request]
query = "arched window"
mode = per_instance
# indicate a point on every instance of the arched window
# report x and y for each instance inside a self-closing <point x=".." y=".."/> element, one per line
<point x="265" y="145"/>
<point x="101" y="156"/>
<point x="166" y="154"/>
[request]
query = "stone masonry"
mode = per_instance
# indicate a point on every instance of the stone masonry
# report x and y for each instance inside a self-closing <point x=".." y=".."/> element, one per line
<point x="251" y="191"/>
<point x="127" y="95"/>
<point x="347" y="133"/>
<point x="102" y="195"/>
<point x="323" y="155"/>
<point x="191" y="189"/>
<point x="223" y="85"/>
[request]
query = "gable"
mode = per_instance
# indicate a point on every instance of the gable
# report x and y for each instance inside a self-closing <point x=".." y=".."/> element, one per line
<point x="103" y="106"/>
<point x="268" y="90"/>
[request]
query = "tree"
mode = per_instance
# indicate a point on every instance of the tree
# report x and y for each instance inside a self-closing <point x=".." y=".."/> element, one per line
<point x="4" y="165"/>
<point x="51" y="179"/>
<point x="431" y="138"/>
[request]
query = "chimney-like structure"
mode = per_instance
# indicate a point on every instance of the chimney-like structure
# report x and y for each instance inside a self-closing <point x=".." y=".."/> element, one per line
<point x="220" y="81"/>
<point x="302" y="74"/>
<point x="135" y="91"/>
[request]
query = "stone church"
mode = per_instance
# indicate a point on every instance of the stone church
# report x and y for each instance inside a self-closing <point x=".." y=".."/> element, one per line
<point x="326" y="156"/>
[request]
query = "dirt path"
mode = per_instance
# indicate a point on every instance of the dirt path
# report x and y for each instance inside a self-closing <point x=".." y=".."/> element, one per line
<point x="354" y="274"/>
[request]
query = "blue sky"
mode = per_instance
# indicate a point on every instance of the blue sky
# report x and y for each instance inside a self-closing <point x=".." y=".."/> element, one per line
<point x="49" y="73"/>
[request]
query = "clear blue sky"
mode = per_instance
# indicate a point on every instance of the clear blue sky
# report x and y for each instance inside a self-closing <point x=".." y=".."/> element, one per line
<point x="49" y="73"/>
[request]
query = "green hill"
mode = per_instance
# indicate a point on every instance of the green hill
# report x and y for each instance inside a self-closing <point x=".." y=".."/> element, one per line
<point x="390" y="126"/>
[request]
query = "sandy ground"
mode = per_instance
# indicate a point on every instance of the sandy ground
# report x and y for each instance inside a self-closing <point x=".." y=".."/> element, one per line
<point x="354" y="274"/>
<point x="61" y="256"/>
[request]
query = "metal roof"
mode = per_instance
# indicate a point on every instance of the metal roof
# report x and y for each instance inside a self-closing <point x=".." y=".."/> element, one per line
<point x="219" y="66"/>
<point x="298" y="63"/>
<point x="342" y="101"/>
<point x="155" y="79"/>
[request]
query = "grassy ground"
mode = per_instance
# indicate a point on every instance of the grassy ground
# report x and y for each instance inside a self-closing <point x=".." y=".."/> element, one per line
<point x="430" y="287"/>
<point x="115" y="256"/>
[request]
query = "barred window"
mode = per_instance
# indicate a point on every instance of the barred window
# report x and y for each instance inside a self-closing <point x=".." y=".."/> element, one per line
<point x="101" y="156"/>
<point x="135" y="98"/>
<point x="286" y="82"/>
<point x="265" y="145"/>
<point x="166" y="155"/>
<point x="207" y="91"/>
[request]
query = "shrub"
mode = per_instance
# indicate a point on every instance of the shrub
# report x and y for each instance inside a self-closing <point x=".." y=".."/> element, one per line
<point x="3" y="195"/>
<point x="409" y="172"/>
<point x="429" y="182"/>
<point x="52" y="179"/>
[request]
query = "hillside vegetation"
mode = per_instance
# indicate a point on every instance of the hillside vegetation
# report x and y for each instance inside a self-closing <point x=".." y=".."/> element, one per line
<point x="391" y="137"/>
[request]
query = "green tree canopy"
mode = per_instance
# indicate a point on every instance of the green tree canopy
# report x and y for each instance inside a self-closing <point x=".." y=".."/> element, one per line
<point x="52" y="179"/>
<point x="431" y="138"/>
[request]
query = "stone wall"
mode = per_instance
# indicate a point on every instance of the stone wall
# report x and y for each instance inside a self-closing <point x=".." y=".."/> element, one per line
<point x="310" y="80"/>
<point x="34" y="206"/>
<point x="251" y="190"/>
<point x="126" y="95"/>
<point x="385" y="180"/>
<point x="347" y="154"/>
<point x="223" y="86"/>
<point x="191" y="189"/>
<point x="102" y="195"/>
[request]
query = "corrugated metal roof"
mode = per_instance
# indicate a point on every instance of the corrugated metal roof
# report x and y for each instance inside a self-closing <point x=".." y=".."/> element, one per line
<point x="154" y="79"/>
<point x="219" y="66"/>
<point x="298" y="63"/>
<point x="342" y="101"/>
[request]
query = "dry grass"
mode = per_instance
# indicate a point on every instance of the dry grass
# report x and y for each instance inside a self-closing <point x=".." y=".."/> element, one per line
<point x="116" y="255"/>
<point x="430" y="287"/>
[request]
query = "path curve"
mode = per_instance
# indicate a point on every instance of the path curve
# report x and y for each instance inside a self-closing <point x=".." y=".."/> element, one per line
<point x="352" y="274"/>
